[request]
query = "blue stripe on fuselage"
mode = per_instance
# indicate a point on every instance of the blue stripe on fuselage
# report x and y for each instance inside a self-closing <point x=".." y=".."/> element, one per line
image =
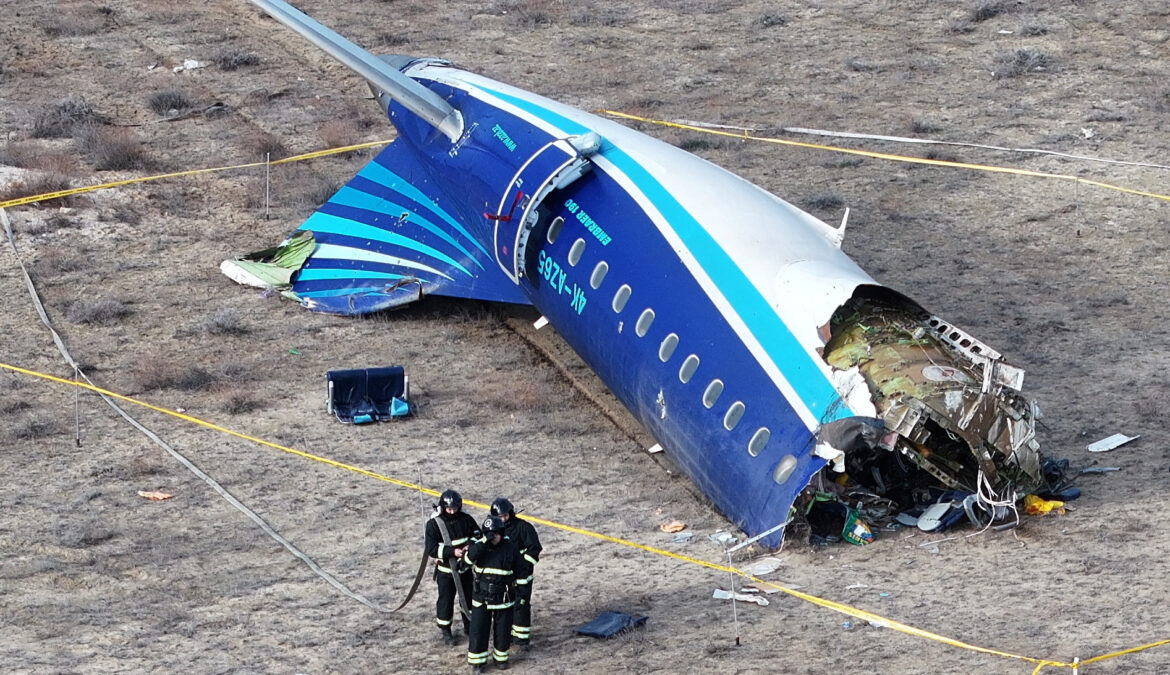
<point x="761" y="319"/>
<point x="333" y="224"/>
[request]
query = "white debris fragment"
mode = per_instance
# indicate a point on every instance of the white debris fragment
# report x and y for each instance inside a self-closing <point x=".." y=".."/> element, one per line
<point x="189" y="64"/>
<point x="1106" y="444"/>
<point x="761" y="567"/>
<point x="722" y="537"/>
<point x="721" y="594"/>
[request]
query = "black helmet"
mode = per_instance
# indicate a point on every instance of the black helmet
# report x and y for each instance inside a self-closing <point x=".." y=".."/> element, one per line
<point x="492" y="525"/>
<point x="502" y="506"/>
<point x="451" y="500"/>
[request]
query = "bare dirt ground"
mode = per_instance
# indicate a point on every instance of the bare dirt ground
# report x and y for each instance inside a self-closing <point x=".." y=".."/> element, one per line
<point x="1067" y="280"/>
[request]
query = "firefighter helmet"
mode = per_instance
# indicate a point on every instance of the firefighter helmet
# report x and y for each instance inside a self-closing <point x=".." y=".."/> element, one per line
<point x="493" y="525"/>
<point x="502" y="506"/>
<point x="451" y="500"/>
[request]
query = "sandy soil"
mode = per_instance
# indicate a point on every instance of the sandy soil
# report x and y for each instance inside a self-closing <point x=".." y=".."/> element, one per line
<point x="1066" y="279"/>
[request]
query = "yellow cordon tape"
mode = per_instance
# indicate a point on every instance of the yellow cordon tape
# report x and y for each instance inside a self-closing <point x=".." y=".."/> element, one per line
<point x="21" y="201"/>
<point x="747" y="135"/>
<point x="828" y="604"/>
<point x="744" y="135"/>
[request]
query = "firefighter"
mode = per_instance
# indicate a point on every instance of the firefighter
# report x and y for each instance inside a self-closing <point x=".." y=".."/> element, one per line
<point x="449" y="567"/>
<point x="494" y="558"/>
<point x="524" y="536"/>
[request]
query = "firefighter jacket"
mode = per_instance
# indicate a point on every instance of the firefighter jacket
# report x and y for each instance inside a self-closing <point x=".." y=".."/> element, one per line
<point x="462" y="529"/>
<point x="495" y="572"/>
<point x="524" y="535"/>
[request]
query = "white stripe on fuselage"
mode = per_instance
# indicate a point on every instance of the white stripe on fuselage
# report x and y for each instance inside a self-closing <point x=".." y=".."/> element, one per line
<point x="338" y="252"/>
<point x="721" y="302"/>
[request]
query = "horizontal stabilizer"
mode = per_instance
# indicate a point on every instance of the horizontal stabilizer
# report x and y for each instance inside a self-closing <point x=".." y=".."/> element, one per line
<point x="383" y="240"/>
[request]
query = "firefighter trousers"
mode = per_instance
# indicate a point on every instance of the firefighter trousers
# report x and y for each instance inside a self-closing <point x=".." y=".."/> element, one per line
<point x="484" y="622"/>
<point x="445" y="606"/>
<point x="522" y="613"/>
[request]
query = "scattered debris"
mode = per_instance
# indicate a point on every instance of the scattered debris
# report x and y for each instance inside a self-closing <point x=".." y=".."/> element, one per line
<point x="761" y="567"/>
<point x="683" y="537"/>
<point x="608" y="624"/>
<point x="1038" y="506"/>
<point x="851" y="587"/>
<point x="723" y="538"/>
<point x="1114" y="441"/>
<point x="721" y="594"/>
<point x="1099" y="469"/>
<point x="673" y="526"/>
<point x="190" y="64"/>
<point x="154" y="496"/>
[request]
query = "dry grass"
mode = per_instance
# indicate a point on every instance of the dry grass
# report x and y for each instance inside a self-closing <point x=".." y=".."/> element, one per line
<point x="40" y="185"/>
<point x="53" y="261"/>
<point x="60" y="120"/>
<point x="266" y="146"/>
<point x="170" y="103"/>
<point x="111" y="148"/>
<point x="35" y="156"/>
<point x="102" y="312"/>
<point x="33" y="428"/>
<point x="225" y="321"/>
<point x="230" y="60"/>
<point x="1021" y="62"/>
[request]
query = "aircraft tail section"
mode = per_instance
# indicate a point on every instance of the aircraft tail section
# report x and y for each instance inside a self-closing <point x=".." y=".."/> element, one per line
<point x="390" y="236"/>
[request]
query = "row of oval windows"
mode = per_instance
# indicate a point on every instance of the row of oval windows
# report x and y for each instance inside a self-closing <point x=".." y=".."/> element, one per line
<point x="666" y="350"/>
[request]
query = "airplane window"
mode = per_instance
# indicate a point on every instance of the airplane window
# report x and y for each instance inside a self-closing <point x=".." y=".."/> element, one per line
<point x="759" y="440"/>
<point x="599" y="273"/>
<point x="621" y="297"/>
<point x="712" y="394"/>
<point x="688" y="368"/>
<point x="554" y="229"/>
<point x="784" y="469"/>
<point x="644" y="322"/>
<point x="666" y="349"/>
<point x="733" y="416"/>
<point x="576" y="252"/>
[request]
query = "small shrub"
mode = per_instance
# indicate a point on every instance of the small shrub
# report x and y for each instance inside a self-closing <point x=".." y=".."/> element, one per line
<point x="111" y="149"/>
<point x="194" y="378"/>
<point x="339" y="133"/>
<point x="696" y="143"/>
<point x="941" y="156"/>
<point x="921" y="125"/>
<point x="958" y="26"/>
<point x="984" y="10"/>
<point x="57" y="260"/>
<point x="770" y="20"/>
<point x="59" y="121"/>
<point x="241" y="402"/>
<point x="1033" y="28"/>
<point x="1020" y="62"/>
<point x="225" y="321"/>
<point x="265" y="145"/>
<point x="530" y="13"/>
<point x="392" y="39"/>
<point x="32" y="428"/>
<point x="170" y="103"/>
<point x="97" y="312"/>
<point x="234" y="60"/>
<point x="32" y="156"/>
<point x="857" y="65"/>
<point x="14" y="406"/>
<point x="71" y="25"/>
<point x="40" y="185"/>
<point x="151" y="372"/>
<point x="825" y="201"/>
